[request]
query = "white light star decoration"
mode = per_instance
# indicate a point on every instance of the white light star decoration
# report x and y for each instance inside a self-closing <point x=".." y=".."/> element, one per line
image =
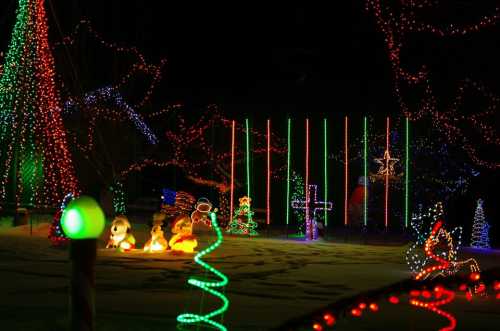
<point x="386" y="166"/>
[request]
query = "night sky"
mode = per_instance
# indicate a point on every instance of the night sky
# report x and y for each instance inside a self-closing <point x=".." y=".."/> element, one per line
<point x="298" y="59"/>
<point x="270" y="60"/>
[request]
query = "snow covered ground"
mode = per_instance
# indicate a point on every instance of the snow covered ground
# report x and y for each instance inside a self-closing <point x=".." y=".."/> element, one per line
<point x="271" y="280"/>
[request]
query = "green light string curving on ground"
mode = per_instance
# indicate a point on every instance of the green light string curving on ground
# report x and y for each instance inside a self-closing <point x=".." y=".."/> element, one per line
<point x="209" y="286"/>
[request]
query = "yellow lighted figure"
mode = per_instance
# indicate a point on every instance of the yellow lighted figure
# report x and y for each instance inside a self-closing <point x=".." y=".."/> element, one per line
<point x="121" y="237"/>
<point x="157" y="243"/>
<point x="183" y="239"/>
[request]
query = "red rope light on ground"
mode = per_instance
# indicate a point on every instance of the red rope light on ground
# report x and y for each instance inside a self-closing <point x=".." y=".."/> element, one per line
<point x="268" y="189"/>
<point x="346" y="170"/>
<point x="439" y="292"/>
<point x="233" y="139"/>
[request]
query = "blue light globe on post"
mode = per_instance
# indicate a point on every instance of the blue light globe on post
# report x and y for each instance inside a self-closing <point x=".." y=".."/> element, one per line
<point x="83" y="218"/>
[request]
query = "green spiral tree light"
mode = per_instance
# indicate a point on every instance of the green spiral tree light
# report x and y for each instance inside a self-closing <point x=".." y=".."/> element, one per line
<point x="209" y="285"/>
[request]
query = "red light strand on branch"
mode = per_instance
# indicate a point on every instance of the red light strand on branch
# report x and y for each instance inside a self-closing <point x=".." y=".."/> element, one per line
<point x="398" y="20"/>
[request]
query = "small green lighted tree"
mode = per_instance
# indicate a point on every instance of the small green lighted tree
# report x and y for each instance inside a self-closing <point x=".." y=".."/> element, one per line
<point x="242" y="222"/>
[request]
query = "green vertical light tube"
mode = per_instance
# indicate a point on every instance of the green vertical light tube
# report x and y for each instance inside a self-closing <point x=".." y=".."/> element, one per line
<point x="407" y="168"/>
<point x="288" y="171"/>
<point x="365" y="170"/>
<point x="325" y="125"/>
<point x="247" y="131"/>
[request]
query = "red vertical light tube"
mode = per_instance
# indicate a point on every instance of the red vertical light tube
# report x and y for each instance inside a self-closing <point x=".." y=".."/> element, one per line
<point x="387" y="173"/>
<point x="233" y="138"/>
<point x="346" y="169"/>
<point x="307" y="173"/>
<point x="268" y="205"/>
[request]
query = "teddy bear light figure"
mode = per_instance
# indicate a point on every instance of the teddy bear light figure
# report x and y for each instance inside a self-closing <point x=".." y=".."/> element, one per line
<point x="183" y="239"/>
<point x="202" y="209"/>
<point x="157" y="243"/>
<point x="121" y="237"/>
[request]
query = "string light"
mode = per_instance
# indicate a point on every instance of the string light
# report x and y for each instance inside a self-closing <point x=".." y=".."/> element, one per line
<point x="298" y="193"/>
<point x="233" y="142"/>
<point x="106" y="95"/>
<point x="140" y="66"/>
<point x="288" y="164"/>
<point x="175" y="203"/>
<point x="309" y="225"/>
<point x="365" y="171"/>
<point x="386" y="207"/>
<point x="316" y="206"/>
<point x="480" y="238"/>
<point x="247" y="157"/>
<point x="443" y="264"/>
<point x="346" y="169"/>
<point x="238" y="224"/>
<point x="35" y="162"/>
<point x="395" y="24"/>
<point x="407" y="168"/>
<point x="56" y="234"/>
<point x="208" y="285"/>
<point x="325" y="125"/>
<point x="119" y="199"/>
<point x="442" y="297"/>
<point x="268" y="175"/>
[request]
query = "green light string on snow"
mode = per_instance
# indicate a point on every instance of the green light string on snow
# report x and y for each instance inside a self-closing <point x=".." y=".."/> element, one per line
<point x="209" y="286"/>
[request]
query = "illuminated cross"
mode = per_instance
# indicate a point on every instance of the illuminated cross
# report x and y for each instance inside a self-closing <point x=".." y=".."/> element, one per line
<point x="312" y="204"/>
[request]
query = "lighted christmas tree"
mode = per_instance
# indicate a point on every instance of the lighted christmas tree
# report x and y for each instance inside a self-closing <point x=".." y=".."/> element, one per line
<point x="242" y="222"/>
<point x="480" y="228"/>
<point x="35" y="163"/>
<point x="298" y="194"/>
<point x="209" y="285"/>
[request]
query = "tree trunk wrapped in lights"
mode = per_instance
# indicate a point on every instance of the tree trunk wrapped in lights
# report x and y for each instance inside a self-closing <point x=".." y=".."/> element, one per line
<point x="35" y="163"/>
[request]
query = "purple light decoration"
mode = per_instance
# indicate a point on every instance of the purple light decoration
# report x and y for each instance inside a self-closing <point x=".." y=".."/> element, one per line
<point x="314" y="205"/>
<point x="107" y="94"/>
